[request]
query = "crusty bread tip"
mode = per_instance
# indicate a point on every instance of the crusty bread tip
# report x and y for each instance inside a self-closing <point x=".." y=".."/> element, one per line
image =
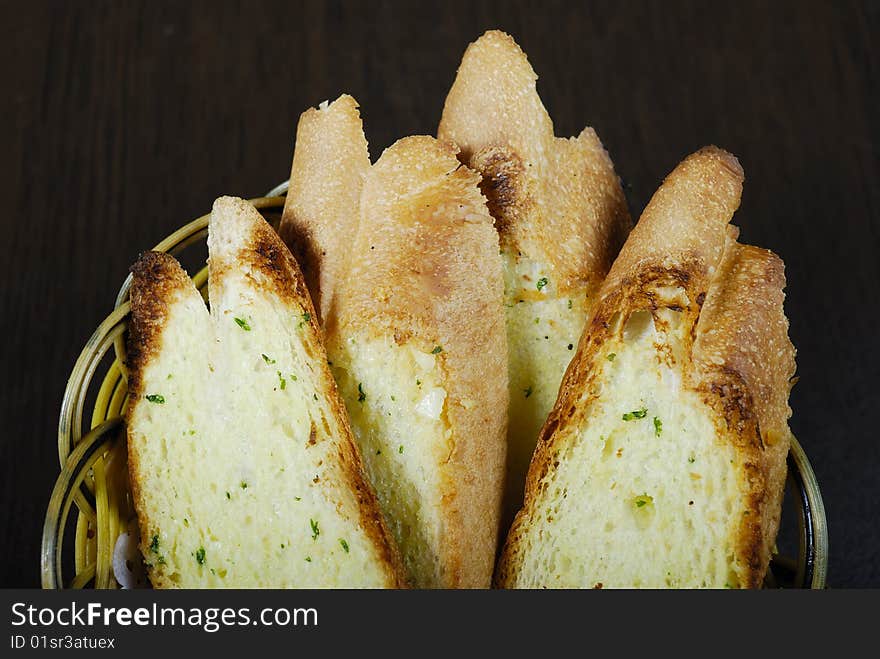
<point x="326" y="178"/>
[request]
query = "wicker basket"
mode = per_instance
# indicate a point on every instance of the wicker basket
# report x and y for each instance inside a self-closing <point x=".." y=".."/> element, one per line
<point x="93" y="481"/>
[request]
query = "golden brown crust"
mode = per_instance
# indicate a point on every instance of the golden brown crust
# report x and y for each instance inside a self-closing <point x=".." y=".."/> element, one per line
<point x="737" y="354"/>
<point x="684" y="223"/>
<point x="326" y="177"/>
<point x="556" y="201"/>
<point x="425" y="266"/>
<point x="745" y="363"/>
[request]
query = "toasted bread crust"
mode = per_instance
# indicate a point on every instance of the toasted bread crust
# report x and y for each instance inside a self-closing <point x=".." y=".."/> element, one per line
<point x="556" y="201"/>
<point x="320" y="212"/>
<point x="426" y="270"/>
<point x="270" y="265"/>
<point x="158" y="282"/>
<point x="738" y="356"/>
<point x="746" y="363"/>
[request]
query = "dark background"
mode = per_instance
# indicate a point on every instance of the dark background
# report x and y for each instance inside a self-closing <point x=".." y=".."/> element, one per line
<point x="122" y="121"/>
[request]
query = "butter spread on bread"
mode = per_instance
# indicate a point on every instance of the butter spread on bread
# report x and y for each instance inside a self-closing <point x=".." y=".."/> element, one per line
<point x="662" y="463"/>
<point x="561" y="215"/>
<point x="243" y="468"/>
<point x="415" y="333"/>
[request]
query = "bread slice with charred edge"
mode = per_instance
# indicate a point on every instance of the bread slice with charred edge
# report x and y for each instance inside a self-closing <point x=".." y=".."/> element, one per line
<point x="243" y="468"/>
<point x="663" y="461"/>
<point x="415" y="333"/>
<point x="561" y="215"/>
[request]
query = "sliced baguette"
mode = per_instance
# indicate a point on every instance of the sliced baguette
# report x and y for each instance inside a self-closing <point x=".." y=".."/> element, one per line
<point x="416" y="337"/>
<point x="244" y="472"/>
<point x="663" y="461"/>
<point x="562" y="217"/>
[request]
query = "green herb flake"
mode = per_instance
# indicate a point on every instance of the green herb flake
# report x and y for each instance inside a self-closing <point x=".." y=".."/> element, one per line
<point x="243" y="324"/>
<point x="344" y="544"/>
<point x="542" y="282"/>
<point x="636" y="414"/>
<point x="228" y="496"/>
<point x="200" y="555"/>
<point x="437" y="350"/>
<point x="418" y="383"/>
<point x="282" y="383"/>
<point x="658" y="427"/>
<point x="642" y="500"/>
<point x="527" y="392"/>
<point x="400" y="449"/>
<point x="362" y="395"/>
<point x="692" y="459"/>
<point x="159" y="399"/>
<point x="243" y="485"/>
<point x="611" y="356"/>
<point x="297" y="498"/>
<point x="154" y="544"/>
<point x="308" y="559"/>
<point x="306" y="317"/>
<point x="267" y="359"/>
<point x="316" y="531"/>
<point x="569" y="304"/>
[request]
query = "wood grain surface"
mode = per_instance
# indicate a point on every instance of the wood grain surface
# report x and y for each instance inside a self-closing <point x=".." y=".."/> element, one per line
<point x="121" y="121"/>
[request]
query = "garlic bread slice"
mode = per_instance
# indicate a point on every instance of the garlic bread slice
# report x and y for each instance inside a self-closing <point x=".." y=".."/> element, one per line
<point x="561" y="214"/>
<point x="662" y="463"/>
<point x="243" y="469"/>
<point x="418" y="348"/>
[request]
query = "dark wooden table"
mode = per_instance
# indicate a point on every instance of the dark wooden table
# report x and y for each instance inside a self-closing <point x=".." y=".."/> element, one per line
<point x="122" y="121"/>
